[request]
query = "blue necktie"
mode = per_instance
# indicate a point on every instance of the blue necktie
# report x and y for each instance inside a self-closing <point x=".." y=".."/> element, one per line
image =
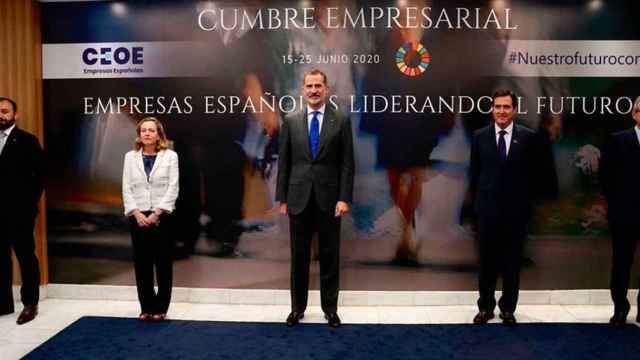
<point x="502" y="146"/>
<point x="314" y="134"/>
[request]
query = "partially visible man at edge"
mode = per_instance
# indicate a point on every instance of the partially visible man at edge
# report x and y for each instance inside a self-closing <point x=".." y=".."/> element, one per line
<point x="620" y="177"/>
<point x="22" y="181"/>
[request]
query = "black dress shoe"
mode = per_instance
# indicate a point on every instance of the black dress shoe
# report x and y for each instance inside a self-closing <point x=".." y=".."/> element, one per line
<point x="482" y="317"/>
<point x="333" y="319"/>
<point x="507" y="318"/>
<point x="28" y="313"/>
<point x="294" y="318"/>
<point x="618" y="319"/>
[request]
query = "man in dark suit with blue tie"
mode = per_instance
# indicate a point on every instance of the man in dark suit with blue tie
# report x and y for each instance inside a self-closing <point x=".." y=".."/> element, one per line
<point x="315" y="186"/>
<point x="508" y="165"/>
<point x="21" y="180"/>
<point x="620" y="178"/>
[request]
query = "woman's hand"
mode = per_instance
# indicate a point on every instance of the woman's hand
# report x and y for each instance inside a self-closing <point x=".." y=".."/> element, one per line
<point x="142" y="220"/>
<point x="154" y="218"/>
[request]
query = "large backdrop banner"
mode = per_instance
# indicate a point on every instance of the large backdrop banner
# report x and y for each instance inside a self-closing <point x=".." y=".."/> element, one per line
<point x="416" y="78"/>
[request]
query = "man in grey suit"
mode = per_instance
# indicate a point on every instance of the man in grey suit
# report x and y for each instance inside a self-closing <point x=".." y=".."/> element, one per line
<point x="315" y="186"/>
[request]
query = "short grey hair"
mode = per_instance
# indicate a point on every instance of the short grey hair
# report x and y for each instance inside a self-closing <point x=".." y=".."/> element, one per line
<point x="636" y="105"/>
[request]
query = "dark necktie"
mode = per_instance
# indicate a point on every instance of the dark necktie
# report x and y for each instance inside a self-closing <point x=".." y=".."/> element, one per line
<point x="314" y="134"/>
<point x="502" y="146"/>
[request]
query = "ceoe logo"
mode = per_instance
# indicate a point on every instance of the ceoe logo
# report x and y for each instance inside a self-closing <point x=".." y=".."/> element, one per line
<point x="107" y="56"/>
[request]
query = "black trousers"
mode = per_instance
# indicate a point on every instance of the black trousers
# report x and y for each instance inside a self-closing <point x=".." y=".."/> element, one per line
<point x="302" y="227"/>
<point x="624" y="238"/>
<point x="152" y="249"/>
<point x="500" y="245"/>
<point x="17" y="233"/>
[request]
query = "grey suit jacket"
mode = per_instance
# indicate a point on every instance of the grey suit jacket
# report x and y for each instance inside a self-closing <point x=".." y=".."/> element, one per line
<point x="330" y="174"/>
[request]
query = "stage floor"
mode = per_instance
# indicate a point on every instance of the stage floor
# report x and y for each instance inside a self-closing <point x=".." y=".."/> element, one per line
<point x="56" y="314"/>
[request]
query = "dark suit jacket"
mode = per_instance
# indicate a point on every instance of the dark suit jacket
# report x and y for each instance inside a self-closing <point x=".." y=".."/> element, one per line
<point x="620" y="177"/>
<point x="330" y="174"/>
<point x="21" y="175"/>
<point x="506" y="190"/>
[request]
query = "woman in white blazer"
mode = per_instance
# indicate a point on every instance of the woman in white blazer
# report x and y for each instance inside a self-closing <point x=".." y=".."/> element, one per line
<point x="149" y="192"/>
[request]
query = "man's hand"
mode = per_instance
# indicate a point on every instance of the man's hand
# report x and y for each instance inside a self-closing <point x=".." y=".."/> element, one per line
<point x="341" y="208"/>
<point x="283" y="209"/>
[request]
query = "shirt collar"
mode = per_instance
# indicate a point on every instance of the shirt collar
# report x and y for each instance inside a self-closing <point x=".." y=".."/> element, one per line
<point x="637" y="129"/>
<point x="8" y="130"/>
<point x="508" y="129"/>
<point x="321" y="110"/>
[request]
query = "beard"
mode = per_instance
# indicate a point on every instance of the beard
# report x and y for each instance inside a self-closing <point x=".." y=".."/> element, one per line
<point x="5" y="124"/>
<point x="315" y="101"/>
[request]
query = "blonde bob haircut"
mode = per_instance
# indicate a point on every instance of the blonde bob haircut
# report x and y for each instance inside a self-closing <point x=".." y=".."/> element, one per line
<point x="162" y="143"/>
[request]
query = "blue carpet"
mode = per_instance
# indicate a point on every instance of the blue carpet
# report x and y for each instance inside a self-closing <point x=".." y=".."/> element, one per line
<point x="119" y="338"/>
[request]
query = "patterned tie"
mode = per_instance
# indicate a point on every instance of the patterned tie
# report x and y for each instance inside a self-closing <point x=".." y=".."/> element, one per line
<point x="502" y="146"/>
<point x="3" y="140"/>
<point x="314" y="134"/>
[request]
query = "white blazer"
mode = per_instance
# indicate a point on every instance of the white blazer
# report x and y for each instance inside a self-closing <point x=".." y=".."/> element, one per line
<point x="158" y="191"/>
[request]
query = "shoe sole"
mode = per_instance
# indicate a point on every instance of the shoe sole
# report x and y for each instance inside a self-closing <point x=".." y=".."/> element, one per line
<point x="508" y="323"/>
<point x="485" y="321"/>
<point x="333" y="326"/>
<point x="295" y="323"/>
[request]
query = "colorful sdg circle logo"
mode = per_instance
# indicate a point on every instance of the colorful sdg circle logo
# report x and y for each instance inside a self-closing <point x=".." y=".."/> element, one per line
<point x="412" y="58"/>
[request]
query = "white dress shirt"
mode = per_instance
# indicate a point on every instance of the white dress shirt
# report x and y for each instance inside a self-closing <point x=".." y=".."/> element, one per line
<point x="320" y="117"/>
<point x="3" y="139"/>
<point x="637" y="129"/>
<point x="507" y="136"/>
